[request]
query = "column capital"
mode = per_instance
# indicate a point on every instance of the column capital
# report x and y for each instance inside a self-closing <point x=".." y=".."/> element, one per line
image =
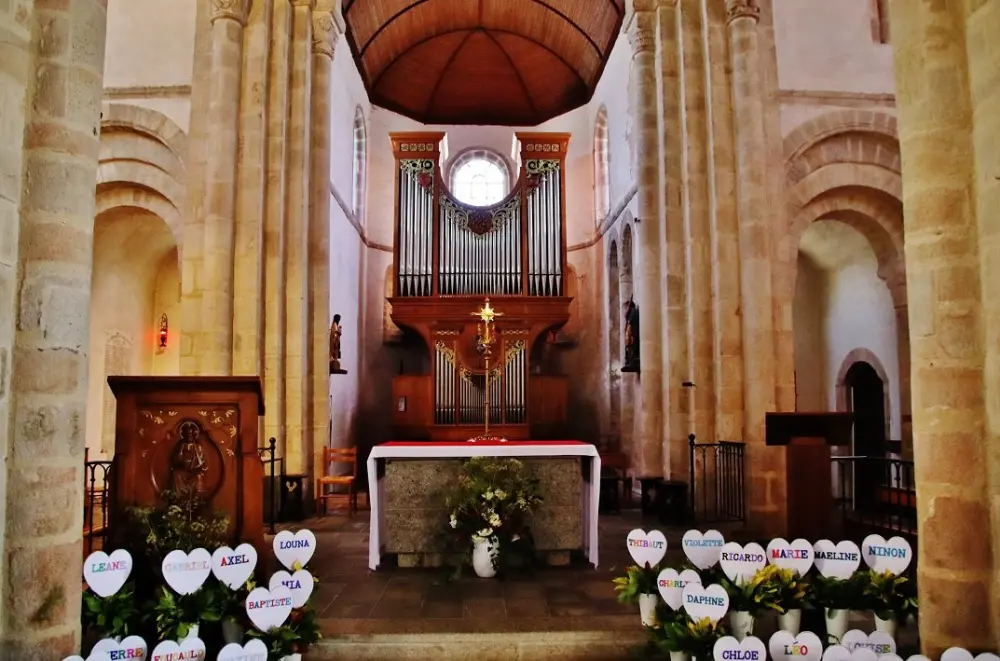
<point x="736" y="9"/>
<point x="642" y="33"/>
<point x="235" y="10"/>
<point x="325" y="33"/>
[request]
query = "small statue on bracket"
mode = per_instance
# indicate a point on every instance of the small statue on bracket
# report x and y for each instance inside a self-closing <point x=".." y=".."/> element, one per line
<point x="335" y="333"/>
<point x="631" y="337"/>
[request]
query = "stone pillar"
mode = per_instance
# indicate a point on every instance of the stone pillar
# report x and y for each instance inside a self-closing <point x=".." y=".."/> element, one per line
<point x="228" y="19"/>
<point x="765" y="494"/>
<point x="951" y="451"/>
<point x="53" y="63"/>
<point x="324" y="40"/>
<point x="298" y="403"/>
<point x="642" y="36"/>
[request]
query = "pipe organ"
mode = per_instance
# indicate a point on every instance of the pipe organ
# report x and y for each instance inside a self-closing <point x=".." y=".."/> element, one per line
<point x="449" y="256"/>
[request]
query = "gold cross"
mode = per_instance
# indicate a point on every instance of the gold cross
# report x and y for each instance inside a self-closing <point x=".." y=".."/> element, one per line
<point x="486" y="313"/>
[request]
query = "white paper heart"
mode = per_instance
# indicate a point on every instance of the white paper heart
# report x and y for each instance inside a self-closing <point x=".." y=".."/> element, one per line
<point x="701" y="602"/>
<point x="797" y="555"/>
<point x="131" y="648"/>
<point x="962" y="654"/>
<point x="300" y="584"/>
<point x="917" y="657"/>
<point x="233" y="567"/>
<point x="840" y="653"/>
<point x="291" y="548"/>
<point x="191" y="649"/>
<point x="750" y="648"/>
<point x="878" y="642"/>
<point x="836" y="560"/>
<point x="671" y="585"/>
<point x="893" y="555"/>
<point x="187" y="572"/>
<point x="806" y="646"/>
<point x="646" y="548"/>
<point x="703" y="550"/>
<point x="740" y="563"/>
<point x="890" y="657"/>
<point x="94" y="656"/>
<point x="106" y="574"/>
<point x="254" y="650"/>
<point x="269" y="608"/>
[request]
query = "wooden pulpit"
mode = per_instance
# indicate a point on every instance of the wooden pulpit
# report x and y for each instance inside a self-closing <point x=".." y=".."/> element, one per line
<point x="174" y="432"/>
<point x="808" y="438"/>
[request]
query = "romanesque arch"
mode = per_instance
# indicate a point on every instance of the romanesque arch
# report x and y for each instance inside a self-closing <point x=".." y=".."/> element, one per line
<point x="614" y="337"/>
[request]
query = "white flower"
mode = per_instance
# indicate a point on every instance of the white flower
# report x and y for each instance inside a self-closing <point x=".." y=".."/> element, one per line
<point x="485" y="532"/>
<point x="488" y="495"/>
<point x="514" y="538"/>
<point x="521" y="502"/>
<point x="500" y="494"/>
<point x="495" y="520"/>
<point x="453" y="521"/>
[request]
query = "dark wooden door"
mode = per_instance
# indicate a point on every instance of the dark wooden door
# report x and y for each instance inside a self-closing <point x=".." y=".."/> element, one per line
<point x="866" y="396"/>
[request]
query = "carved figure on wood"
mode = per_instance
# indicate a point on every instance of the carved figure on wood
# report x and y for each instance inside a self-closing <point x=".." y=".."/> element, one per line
<point x="335" y="333"/>
<point x="188" y="465"/>
<point x="631" y="337"/>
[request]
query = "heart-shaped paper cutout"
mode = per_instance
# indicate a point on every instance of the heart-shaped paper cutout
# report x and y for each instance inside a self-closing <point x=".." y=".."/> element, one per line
<point x="890" y="657"/>
<point x="131" y="648"/>
<point x="701" y="602"/>
<point x="646" y="548"/>
<point x="190" y="649"/>
<point x="836" y="560"/>
<point x="300" y="584"/>
<point x="290" y="548"/>
<point x="254" y="650"/>
<point x="233" y="567"/>
<point x="671" y="585"/>
<point x="750" y="648"/>
<point x="806" y="646"/>
<point x="703" y="550"/>
<point x="878" y="642"/>
<point x="269" y="608"/>
<point x="184" y="572"/>
<point x="882" y="556"/>
<point x="740" y="563"/>
<point x="841" y="653"/>
<point x="918" y="657"/>
<point x="797" y="555"/>
<point x="962" y="654"/>
<point x="106" y="574"/>
<point x="94" y="656"/>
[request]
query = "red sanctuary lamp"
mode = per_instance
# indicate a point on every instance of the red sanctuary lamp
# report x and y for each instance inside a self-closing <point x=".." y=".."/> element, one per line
<point x="162" y="336"/>
<point x="484" y="345"/>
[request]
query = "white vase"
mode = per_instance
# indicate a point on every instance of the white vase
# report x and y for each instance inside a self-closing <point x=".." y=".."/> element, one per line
<point x="191" y="633"/>
<point x="680" y="656"/>
<point x="232" y="631"/>
<point x="647" y="609"/>
<point x="292" y="657"/>
<point x="741" y="624"/>
<point x="890" y="626"/>
<point x="791" y="621"/>
<point x="482" y="559"/>
<point x="836" y="621"/>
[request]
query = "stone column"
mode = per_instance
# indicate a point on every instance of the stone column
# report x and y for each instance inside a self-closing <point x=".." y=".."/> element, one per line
<point x="642" y="36"/>
<point x="951" y="451"/>
<point x="324" y="40"/>
<point x="53" y="63"/>
<point x="228" y="19"/>
<point x="766" y="499"/>
<point x="298" y="402"/>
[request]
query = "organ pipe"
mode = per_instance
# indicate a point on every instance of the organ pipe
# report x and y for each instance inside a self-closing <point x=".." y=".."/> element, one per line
<point x="508" y="385"/>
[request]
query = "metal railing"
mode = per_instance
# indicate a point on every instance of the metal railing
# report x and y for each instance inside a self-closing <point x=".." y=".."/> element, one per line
<point x="97" y="477"/>
<point x="274" y="472"/>
<point x="717" y="485"/>
<point x="875" y="495"/>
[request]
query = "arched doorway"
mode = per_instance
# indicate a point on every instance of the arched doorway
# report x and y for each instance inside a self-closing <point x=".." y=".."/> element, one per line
<point x="866" y="400"/>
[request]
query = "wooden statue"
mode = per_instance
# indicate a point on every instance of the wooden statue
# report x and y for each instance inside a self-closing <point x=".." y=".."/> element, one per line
<point x="631" y="337"/>
<point x="335" y="333"/>
<point x="188" y="465"/>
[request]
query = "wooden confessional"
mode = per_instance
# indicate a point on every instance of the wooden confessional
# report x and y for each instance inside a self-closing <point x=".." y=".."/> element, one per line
<point x="449" y="257"/>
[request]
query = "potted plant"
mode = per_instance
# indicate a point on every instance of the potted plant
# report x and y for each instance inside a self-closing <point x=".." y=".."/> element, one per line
<point x="793" y="591"/>
<point x="672" y="635"/>
<point x="180" y="617"/>
<point x="701" y="638"/>
<point x="891" y="598"/>
<point x="231" y="606"/>
<point x="748" y="598"/>
<point x="489" y="508"/>
<point x="638" y="585"/>
<point x="109" y="617"/>
<point x="303" y="623"/>
<point x="837" y="598"/>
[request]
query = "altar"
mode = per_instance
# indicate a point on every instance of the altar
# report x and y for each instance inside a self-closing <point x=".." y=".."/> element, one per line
<point x="408" y="513"/>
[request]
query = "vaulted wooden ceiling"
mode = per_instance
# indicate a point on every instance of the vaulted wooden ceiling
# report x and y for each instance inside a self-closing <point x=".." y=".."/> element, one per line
<point x="510" y="62"/>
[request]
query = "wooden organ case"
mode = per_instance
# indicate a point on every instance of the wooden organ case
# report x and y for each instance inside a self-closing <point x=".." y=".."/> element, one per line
<point x="449" y="257"/>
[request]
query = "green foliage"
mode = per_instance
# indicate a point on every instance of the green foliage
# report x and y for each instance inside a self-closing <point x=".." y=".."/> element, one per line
<point x="294" y="637"/>
<point x="175" y="614"/>
<point x="890" y="595"/>
<point x="793" y="590"/>
<point x="838" y="594"/>
<point x="111" y="616"/>
<point x="636" y="581"/>
<point x="671" y="634"/>
<point x="183" y="522"/>
<point x="759" y="594"/>
<point x="681" y="634"/>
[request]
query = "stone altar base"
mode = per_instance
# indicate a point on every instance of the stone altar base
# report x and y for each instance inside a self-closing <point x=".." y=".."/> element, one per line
<point x="415" y="511"/>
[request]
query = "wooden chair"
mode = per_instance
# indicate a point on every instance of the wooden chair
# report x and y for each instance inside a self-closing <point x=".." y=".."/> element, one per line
<point x="338" y="456"/>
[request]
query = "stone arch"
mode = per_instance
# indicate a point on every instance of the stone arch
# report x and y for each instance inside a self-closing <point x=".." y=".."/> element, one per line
<point x="359" y="186"/>
<point x="817" y="129"/>
<point x="602" y="166"/>
<point x="861" y="355"/>
<point x="153" y="124"/>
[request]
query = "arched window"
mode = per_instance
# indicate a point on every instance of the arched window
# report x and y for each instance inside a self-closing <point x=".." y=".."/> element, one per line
<point x="479" y="177"/>
<point x="359" y="169"/>
<point x="602" y="169"/>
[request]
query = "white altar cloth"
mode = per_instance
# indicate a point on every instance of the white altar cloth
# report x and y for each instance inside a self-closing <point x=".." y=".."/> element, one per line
<point x="462" y="449"/>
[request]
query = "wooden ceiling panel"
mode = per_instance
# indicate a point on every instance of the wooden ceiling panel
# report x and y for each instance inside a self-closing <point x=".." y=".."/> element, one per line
<point x="470" y="61"/>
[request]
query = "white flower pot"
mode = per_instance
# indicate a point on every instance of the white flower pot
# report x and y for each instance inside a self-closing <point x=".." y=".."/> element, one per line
<point x="647" y="609"/>
<point x="680" y="656"/>
<point x="791" y="621"/>
<point x="232" y="631"/>
<point x="482" y="559"/>
<point x="191" y="633"/>
<point x="741" y="624"/>
<point x="292" y="657"/>
<point x="836" y="621"/>
<point x="890" y="626"/>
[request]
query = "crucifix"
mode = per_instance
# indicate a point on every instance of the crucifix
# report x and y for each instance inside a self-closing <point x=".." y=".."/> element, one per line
<point x="484" y="345"/>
